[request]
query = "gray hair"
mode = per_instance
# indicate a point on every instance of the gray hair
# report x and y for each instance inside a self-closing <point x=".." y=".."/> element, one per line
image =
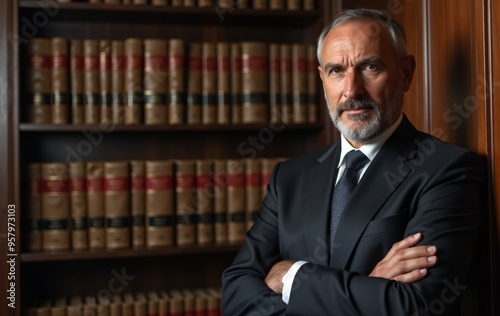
<point x="396" y="30"/>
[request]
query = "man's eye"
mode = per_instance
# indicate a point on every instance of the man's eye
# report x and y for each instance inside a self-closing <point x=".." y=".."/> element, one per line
<point x="371" y="67"/>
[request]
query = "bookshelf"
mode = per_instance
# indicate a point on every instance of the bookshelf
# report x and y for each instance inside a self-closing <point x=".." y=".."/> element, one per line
<point x="65" y="273"/>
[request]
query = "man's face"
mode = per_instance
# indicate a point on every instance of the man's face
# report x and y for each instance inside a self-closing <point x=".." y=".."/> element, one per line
<point x="363" y="79"/>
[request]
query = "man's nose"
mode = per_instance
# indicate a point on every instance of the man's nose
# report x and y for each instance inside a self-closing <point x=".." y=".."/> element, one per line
<point x="353" y="85"/>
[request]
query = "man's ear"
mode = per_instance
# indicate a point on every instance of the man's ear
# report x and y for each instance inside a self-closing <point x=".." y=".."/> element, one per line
<point x="320" y="72"/>
<point x="409" y="65"/>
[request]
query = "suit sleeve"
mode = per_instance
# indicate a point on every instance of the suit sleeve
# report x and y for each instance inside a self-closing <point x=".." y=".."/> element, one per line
<point x="244" y="291"/>
<point x="446" y="211"/>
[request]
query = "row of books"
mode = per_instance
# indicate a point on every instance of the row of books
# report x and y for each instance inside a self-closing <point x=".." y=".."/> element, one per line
<point x="292" y="5"/>
<point x="160" y="81"/>
<point x="142" y="203"/>
<point x="202" y="302"/>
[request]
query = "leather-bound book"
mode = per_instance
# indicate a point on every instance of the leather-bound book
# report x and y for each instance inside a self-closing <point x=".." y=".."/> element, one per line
<point x="38" y="81"/>
<point x="159" y="203"/>
<point x="260" y="4"/>
<point x="204" y="3"/>
<point x="117" y="204"/>
<point x="276" y="4"/>
<point x="76" y="81"/>
<point x="213" y="302"/>
<point x="55" y="207"/>
<point x="91" y="81"/>
<point x="159" y="2"/>
<point x="176" y="81"/>
<point x="312" y="85"/>
<point x="286" y="84"/>
<point x="241" y="4"/>
<point x="293" y="5"/>
<point x="137" y="202"/>
<point x="255" y="82"/>
<point x="235" y="69"/>
<point x="185" y="225"/>
<point x="95" y="204"/>
<point x="105" y="81"/>
<point x="209" y="83"/>
<point x="309" y="5"/>
<point x="60" y="86"/>
<point x="189" y="3"/>
<point x="33" y="206"/>
<point x="117" y="82"/>
<point x="253" y="189"/>
<point x="299" y="83"/>
<point x="194" y="84"/>
<point x="176" y="3"/>
<point x="223" y="84"/>
<point x="140" y="2"/>
<point x="78" y="206"/>
<point x="155" y="81"/>
<point x="204" y="202"/>
<point x="176" y="303"/>
<point x="274" y="83"/>
<point x="236" y="201"/>
<point x="133" y="85"/>
<point x="220" y="201"/>
<point x="267" y="166"/>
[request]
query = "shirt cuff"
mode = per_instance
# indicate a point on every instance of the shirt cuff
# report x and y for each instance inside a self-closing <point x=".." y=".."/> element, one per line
<point x="288" y="280"/>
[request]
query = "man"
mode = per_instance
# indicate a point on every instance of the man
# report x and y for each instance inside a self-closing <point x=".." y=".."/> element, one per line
<point x="314" y="252"/>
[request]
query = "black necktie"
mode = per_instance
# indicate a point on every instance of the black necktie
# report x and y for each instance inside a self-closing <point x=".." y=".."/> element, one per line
<point x="355" y="160"/>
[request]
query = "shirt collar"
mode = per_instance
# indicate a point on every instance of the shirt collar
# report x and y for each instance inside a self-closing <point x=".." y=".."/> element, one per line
<point x="371" y="148"/>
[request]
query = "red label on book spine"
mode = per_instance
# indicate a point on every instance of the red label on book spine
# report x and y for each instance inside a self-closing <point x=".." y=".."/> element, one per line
<point x="301" y="65"/>
<point x="253" y="179"/>
<point x="255" y="63"/>
<point x="54" y="186"/>
<point x="185" y="181"/>
<point x="195" y="64"/>
<point x="117" y="63"/>
<point x="91" y="63"/>
<point x="210" y="64"/>
<point x="77" y="185"/>
<point x="266" y="177"/>
<point x="95" y="184"/>
<point x="134" y="62"/>
<point x="224" y="63"/>
<point x="204" y="181"/>
<point x="138" y="183"/>
<point x="159" y="183"/>
<point x="176" y="62"/>
<point x="116" y="184"/>
<point x="40" y="61"/>
<point x="59" y="61"/>
<point x="155" y="62"/>
<point x="236" y="180"/>
<point x="77" y="63"/>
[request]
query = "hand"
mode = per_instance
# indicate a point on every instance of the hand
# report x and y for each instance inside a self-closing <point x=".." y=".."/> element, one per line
<point x="405" y="263"/>
<point x="275" y="276"/>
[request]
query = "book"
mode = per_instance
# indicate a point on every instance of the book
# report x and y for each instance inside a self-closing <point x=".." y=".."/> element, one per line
<point x="235" y="71"/>
<point x="293" y="5"/>
<point x="309" y="5"/>
<point x="241" y="4"/>
<point x="189" y="302"/>
<point x="286" y="84"/>
<point x="220" y="201"/>
<point x="95" y="204"/>
<point x="91" y="81"/>
<point x="253" y="189"/>
<point x="153" y="300"/>
<point x="274" y="83"/>
<point x="209" y="83"/>
<point x="176" y="302"/>
<point x="176" y="3"/>
<point x="189" y="3"/>
<point x="58" y="307"/>
<point x="176" y="81"/>
<point x="194" y="85"/>
<point x="127" y="307"/>
<point x="260" y="4"/>
<point x="276" y="4"/>
<point x="117" y="82"/>
<point x="255" y="82"/>
<point x="223" y="83"/>
<point x="137" y="202"/>
<point x="236" y="201"/>
<point x="74" y="306"/>
<point x="76" y="81"/>
<point x="213" y="302"/>
<point x="312" y="85"/>
<point x="33" y="214"/>
<point x="204" y="3"/>
<point x="55" y="207"/>
<point x="155" y="81"/>
<point x="204" y="202"/>
<point x="267" y="166"/>
<point x="78" y="206"/>
<point x="38" y="81"/>
<point x="105" y="81"/>
<point x="133" y="87"/>
<point x="141" y="305"/>
<point x="159" y="203"/>
<point x="299" y="83"/>
<point x="60" y="93"/>
<point x="184" y="196"/>
<point x="159" y="2"/>
<point x="117" y="204"/>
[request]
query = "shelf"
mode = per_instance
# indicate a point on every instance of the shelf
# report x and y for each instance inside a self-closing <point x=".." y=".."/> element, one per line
<point x="29" y="127"/>
<point x="85" y="12"/>
<point x="126" y="253"/>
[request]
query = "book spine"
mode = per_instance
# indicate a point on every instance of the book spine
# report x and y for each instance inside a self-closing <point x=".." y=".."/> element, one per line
<point x="76" y="74"/>
<point x="220" y="201"/>
<point x="176" y="81"/>
<point x="189" y="3"/>
<point x="116" y="204"/>
<point x="159" y="203"/>
<point x="112" y="1"/>
<point x="91" y="81"/>
<point x="133" y="86"/>
<point x="309" y="5"/>
<point x="235" y="69"/>
<point x="286" y="84"/>
<point x="185" y="196"/>
<point x="117" y="81"/>
<point x="260" y="4"/>
<point x="213" y="303"/>
<point x="293" y="5"/>
<point x="194" y="85"/>
<point x="33" y="219"/>
<point x="223" y="84"/>
<point x="155" y="81"/>
<point x="255" y="83"/>
<point x="159" y="2"/>
<point x="236" y="201"/>
<point x="204" y="202"/>
<point x="38" y="81"/>
<point x="274" y="83"/>
<point x="241" y="4"/>
<point x="55" y="207"/>
<point x="267" y="169"/>
<point x="139" y="2"/>
<point x="176" y="3"/>
<point x="105" y="80"/>
<point x="95" y="204"/>
<point x="137" y="196"/>
<point x="253" y="190"/>
<point x="209" y="83"/>
<point x="312" y="85"/>
<point x="60" y="102"/>
<point x="299" y="83"/>
<point x="204" y="3"/>
<point x="276" y="4"/>
<point x="78" y="206"/>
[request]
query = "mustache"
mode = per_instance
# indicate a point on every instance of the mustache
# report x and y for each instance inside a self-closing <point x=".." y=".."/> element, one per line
<point x="356" y="105"/>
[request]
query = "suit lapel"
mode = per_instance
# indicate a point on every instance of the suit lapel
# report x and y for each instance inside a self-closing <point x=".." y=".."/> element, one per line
<point x="315" y="204"/>
<point x="385" y="173"/>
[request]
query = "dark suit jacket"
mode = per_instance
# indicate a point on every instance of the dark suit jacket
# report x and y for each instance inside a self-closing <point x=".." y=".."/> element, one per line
<point x="416" y="183"/>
